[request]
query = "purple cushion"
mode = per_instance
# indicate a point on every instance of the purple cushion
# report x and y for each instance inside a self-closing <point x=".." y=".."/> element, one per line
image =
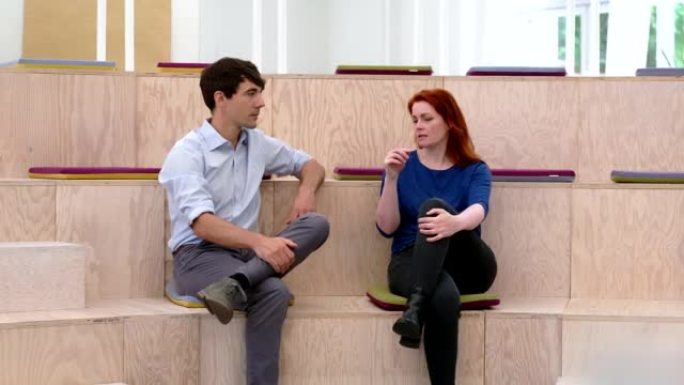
<point x="532" y="175"/>
<point x="382" y="70"/>
<point x="181" y="65"/>
<point x="358" y="170"/>
<point x="94" y="170"/>
<point x="516" y="71"/>
<point x="531" y="172"/>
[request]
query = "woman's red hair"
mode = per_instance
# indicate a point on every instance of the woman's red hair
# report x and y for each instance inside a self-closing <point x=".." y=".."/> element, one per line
<point x="460" y="148"/>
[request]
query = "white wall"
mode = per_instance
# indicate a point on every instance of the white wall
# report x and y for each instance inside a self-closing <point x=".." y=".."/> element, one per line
<point x="357" y="33"/>
<point x="627" y="36"/>
<point x="401" y="32"/>
<point x="519" y="36"/>
<point x="322" y="34"/>
<point x="454" y="35"/>
<point x="225" y="29"/>
<point x="269" y="52"/>
<point x="11" y="29"/>
<point x="185" y="31"/>
<point x="308" y="28"/>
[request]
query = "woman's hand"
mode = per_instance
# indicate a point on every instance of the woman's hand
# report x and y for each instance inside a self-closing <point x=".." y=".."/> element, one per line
<point x="439" y="224"/>
<point x="395" y="161"/>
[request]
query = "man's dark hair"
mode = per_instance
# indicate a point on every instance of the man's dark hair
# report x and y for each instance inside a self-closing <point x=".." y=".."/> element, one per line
<point x="225" y="75"/>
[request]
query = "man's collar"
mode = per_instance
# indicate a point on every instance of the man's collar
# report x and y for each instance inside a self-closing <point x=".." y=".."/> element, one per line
<point x="214" y="140"/>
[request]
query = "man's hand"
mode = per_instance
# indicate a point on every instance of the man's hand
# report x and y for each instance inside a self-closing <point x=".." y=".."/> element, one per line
<point x="305" y="202"/>
<point x="277" y="252"/>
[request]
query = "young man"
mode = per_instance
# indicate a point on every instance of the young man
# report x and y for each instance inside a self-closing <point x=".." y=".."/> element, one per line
<point x="212" y="178"/>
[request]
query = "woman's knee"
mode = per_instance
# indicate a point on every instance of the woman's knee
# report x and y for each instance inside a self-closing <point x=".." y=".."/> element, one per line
<point x="446" y="298"/>
<point x="434" y="203"/>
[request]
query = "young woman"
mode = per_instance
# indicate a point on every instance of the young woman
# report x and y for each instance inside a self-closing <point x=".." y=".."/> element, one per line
<point x="432" y="203"/>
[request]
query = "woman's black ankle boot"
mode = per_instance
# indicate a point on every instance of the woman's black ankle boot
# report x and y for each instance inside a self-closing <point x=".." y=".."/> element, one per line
<point x="410" y="325"/>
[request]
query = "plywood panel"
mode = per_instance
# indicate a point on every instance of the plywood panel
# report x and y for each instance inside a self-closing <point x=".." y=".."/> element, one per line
<point x="152" y="34"/>
<point x="61" y="355"/>
<point x="266" y="221"/>
<point x="623" y="353"/>
<point x="526" y="307"/>
<point x="163" y="350"/>
<point x="97" y="119"/>
<point x="354" y="256"/>
<point x="366" y="351"/>
<point x="396" y="365"/>
<point x="628" y="310"/>
<point x="168" y="107"/>
<point x="67" y="30"/>
<point x="83" y="120"/>
<point x="471" y="353"/>
<point x="393" y="364"/>
<point x="42" y="276"/>
<point x="628" y="243"/>
<point x="115" y="33"/>
<point x="522" y="122"/>
<point x="345" y="121"/>
<point x="222" y="351"/>
<point x="14" y="146"/>
<point x="633" y="125"/>
<point x="100" y="312"/>
<point x="125" y="226"/>
<point x="307" y="356"/>
<point x="27" y="212"/>
<point x="43" y="130"/>
<point x="522" y="351"/>
<point x="60" y="29"/>
<point x="529" y="230"/>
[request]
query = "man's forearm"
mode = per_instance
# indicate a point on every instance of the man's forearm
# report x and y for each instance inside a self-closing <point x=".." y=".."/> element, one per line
<point x="311" y="176"/>
<point x="221" y="232"/>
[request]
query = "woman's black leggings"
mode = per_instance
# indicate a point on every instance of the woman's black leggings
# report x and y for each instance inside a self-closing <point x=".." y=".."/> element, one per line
<point x="461" y="264"/>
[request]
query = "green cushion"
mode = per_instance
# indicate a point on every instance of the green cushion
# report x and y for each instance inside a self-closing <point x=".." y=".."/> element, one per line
<point x="381" y="296"/>
<point x="624" y="176"/>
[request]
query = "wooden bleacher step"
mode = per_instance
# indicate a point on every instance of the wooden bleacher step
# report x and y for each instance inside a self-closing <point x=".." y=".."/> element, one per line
<point x="338" y="340"/>
<point x="129" y="341"/>
<point x="326" y="339"/>
<point x="523" y="341"/>
<point x="114" y="383"/>
<point x="42" y="276"/>
<point x="625" y="342"/>
<point x="569" y="381"/>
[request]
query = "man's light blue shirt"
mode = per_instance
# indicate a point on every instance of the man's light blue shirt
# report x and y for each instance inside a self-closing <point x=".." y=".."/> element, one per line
<point x="204" y="173"/>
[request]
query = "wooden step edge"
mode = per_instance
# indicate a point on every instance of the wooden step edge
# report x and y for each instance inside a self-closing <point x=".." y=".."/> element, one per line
<point x="361" y="307"/>
<point x="114" y="383"/>
<point x="526" y="307"/>
<point x="591" y="309"/>
<point x="570" y="381"/>
<point x="100" y="312"/>
<point x="14" y="182"/>
<point x="41" y="244"/>
<point x="331" y="182"/>
<point x="117" y="310"/>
